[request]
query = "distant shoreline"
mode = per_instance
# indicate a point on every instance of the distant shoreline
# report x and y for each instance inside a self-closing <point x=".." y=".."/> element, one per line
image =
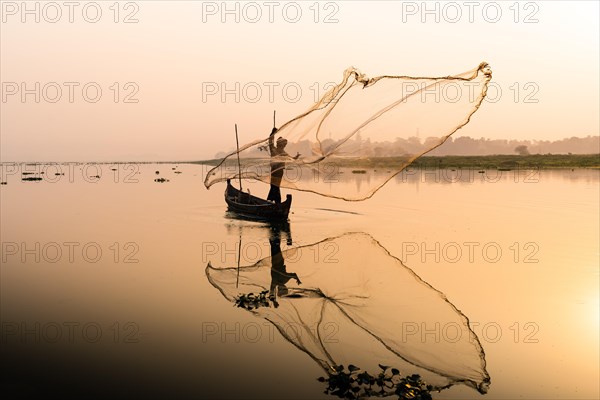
<point x="483" y="162"/>
<point x="499" y="161"/>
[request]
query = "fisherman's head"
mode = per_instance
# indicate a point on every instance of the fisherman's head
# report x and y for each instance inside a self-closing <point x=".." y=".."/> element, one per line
<point x="281" y="143"/>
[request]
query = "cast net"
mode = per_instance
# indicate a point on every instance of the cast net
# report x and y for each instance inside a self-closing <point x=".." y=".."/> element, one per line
<point x="372" y="126"/>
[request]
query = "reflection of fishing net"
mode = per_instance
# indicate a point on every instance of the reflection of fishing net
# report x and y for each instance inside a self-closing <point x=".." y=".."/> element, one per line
<point x="360" y="120"/>
<point x="358" y="304"/>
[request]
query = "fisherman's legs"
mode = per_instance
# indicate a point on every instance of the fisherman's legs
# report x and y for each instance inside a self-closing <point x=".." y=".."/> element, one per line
<point x="274" y="194"/>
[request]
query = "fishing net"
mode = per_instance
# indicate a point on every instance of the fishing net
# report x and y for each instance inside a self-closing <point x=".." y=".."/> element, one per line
<point x="347" y="300"/>
<point x="382" y="124"/>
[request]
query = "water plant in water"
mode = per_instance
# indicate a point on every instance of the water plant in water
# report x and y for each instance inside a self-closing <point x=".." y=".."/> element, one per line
<point x="252" y="300"/>
<point x="353" y="383"/>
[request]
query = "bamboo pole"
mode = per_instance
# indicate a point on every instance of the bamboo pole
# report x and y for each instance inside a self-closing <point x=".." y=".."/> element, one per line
<point x="237" y="143"/>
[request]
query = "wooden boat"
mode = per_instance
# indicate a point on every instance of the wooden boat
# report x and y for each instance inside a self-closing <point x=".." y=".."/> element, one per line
<point x="252" y="207"/>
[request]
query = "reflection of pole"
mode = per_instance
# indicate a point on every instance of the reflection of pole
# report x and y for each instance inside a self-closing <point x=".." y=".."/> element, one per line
<point x="237" y="280"/>
<point x="237" y="143"/>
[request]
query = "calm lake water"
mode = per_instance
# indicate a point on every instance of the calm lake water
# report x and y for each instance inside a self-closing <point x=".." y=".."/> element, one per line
<point x="105" y="287"/>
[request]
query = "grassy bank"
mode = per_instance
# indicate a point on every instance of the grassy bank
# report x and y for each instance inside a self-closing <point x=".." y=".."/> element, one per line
<point x="510" y="161"/>
<point x="483" y="162"/>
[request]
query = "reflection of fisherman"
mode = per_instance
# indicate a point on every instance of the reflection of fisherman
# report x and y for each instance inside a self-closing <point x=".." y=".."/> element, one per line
<point x="277" y="167"/>
<point x="279" y="276"/>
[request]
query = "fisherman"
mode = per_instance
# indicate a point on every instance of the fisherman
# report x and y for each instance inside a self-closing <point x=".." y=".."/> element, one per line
<point x="277" y="167"/>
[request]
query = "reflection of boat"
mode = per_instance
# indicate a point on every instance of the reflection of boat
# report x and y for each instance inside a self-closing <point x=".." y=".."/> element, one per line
<point x="246" y="205"/>
<point x="357" y="304"/>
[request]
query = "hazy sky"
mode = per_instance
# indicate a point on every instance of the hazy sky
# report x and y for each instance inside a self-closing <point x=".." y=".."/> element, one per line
<point x="176" y="78"/>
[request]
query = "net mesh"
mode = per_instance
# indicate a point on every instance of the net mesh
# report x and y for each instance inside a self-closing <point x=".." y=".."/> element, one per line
<point x="347" y="300"/>
<point x="355" y="124"/>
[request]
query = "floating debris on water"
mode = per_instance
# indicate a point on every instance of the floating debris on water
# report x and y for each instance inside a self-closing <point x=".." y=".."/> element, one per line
<point x="177" y="172"/>
<point x="161" y="180"/>
<point x="3" y="183"/>
<point x="31" y="178"/>
<point x="359" y="171"/>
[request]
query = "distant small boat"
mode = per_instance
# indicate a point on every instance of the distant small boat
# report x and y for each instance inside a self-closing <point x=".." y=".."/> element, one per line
<point x="248" y="206"/>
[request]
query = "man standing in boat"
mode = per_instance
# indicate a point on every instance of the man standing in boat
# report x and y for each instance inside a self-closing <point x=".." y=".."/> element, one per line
<point x="277" y="166"/>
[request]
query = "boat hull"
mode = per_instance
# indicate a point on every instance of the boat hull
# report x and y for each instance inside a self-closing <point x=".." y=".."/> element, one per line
<point x="252" y="207"/>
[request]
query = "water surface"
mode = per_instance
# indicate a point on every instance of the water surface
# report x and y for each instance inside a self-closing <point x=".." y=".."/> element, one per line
<point x="104" y="279"/>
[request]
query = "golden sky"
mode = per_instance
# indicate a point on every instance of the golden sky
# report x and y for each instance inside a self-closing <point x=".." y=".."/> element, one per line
<point x="175" y="76"/>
